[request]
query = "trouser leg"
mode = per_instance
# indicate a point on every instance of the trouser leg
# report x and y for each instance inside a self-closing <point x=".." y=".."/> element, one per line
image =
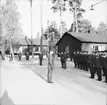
<point x="99" y="74"/>
<point x="106" y="75"/>
<point x="49" y="76"/>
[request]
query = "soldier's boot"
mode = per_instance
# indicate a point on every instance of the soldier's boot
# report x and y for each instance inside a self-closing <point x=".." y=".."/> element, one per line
<point x="99" y="74"/>
<point x="50" y="76"/>
<point x="103" y="72"/>
<point x="92" y="73"/>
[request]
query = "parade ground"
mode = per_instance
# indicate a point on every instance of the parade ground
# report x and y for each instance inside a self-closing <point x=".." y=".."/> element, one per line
<point x="25" y="83"/>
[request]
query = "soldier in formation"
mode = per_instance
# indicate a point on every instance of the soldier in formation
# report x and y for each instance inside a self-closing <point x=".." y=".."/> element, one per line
<point x="40" y="59"/>
<point x="27" y="55"/>
<point x="20" y="56"/>
<point x="63" y="59"/>
<point x="95" y="62"/>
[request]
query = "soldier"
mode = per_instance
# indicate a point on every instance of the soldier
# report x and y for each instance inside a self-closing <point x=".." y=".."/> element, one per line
<point x="98" y="67"/>
<point x="78" y="60"/>
<point x="86" y="61"/>
<point x="75" y="59"/>
<point x="50" y="56"/>
<point x="92" y="70"/>
<point x="40" y="58"/>
<point x="65" y="56"/>
<point x="105" y="66"/>
<point x="20" y="55"/>
<point x="62" y="59"/>
<point x="3" y="55"/>
<point x="27" y="55"/>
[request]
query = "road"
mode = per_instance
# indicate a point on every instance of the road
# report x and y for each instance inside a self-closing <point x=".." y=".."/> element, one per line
<point x="24" y="83"/>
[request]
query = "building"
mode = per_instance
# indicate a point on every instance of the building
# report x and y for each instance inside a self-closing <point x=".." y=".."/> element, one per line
<point x="27" y="46"/>
<point x="71" y="42"/>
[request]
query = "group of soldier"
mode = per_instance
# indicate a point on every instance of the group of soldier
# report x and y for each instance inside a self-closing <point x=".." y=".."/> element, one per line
<point x="96" y="62"/>
<point x="63" y="58"/>
<point x="27" y="55"/>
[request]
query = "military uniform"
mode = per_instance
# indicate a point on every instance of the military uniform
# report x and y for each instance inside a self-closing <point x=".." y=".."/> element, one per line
<point x="20" y="56"/>
<point x="50" y="57"/>
<point x="62" y="59"/>
<point x="86" y="60"/>
<point x="98" y="67"/>
<point x="65" y="56"/>
<point x="91" y="66"/>
<point x="105" y="67"/>
<point x="75" y="59"/>
<point x="40" y="58"/>
<point x="27" y="55"/>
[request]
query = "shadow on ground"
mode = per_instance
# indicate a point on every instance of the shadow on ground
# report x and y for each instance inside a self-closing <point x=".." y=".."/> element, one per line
<point x="6" y="100"/>
<point x="39" y="75"/>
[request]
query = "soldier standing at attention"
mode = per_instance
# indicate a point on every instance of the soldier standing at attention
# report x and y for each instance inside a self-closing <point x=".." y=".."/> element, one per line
<point x="105" y="66"/>
<point x="62" y="59"/>
<point x="20" y="55"/>
<point x="98" y="67"/>
<point x="65" y="58"/>
<point x="40" y="58"/>
<point x="92" y="72"/>
<point x="50" y="56"/>
<point x="75" y="59"/>
<point x="27" y="55"/>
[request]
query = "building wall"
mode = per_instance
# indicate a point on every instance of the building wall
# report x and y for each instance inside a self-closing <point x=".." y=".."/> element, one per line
<point x="90" y="47"/>
<point x="69" y="44"/>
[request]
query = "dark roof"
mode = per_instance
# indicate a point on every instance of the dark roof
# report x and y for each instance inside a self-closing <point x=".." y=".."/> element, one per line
<point x="66" y="33"/>
<point x="89" y="38"/>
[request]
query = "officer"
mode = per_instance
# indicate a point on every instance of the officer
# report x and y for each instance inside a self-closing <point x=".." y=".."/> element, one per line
<point x="65" y="56"/>
<point x="50" y="56"/>
<point x="40" y="58"/>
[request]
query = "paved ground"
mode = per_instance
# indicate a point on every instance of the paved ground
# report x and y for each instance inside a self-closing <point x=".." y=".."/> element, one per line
<point x="24" y="83"/>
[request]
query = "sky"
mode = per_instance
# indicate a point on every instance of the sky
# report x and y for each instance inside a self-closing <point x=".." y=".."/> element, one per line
<point x="99" y="14"/>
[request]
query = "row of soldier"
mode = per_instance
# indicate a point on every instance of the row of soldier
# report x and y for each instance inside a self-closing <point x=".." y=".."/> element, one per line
<point x="4" y="54"/>
<point x="95" y="62"/>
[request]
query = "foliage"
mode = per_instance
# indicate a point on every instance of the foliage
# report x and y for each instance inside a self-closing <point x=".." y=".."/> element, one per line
<point x="10" y="27"/>
<point x="52" y="34"/>
<point x="73" y="5"/>
<point x="59" y="5"/>
<point x="84" y="26"/>
<point x="63" y="28"/>
<point x="52" y="28"/>
<point x="102" y="28"/>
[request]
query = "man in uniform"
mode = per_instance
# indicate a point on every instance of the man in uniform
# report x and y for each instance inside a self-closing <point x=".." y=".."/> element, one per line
<point x="75" y="59"/>
<point x="105" y="66"/>
<point x="86" y="59"/>
<point x="50" y="56"/>
<point x="62" y="59"/>
<point x="20" y="55"/>
<point x="27" y="55"/>
<point x="98" y="67"/>
<point x="40" y="58"/>
<point x="91" y="66"/>
<point x="65" y="56"/>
